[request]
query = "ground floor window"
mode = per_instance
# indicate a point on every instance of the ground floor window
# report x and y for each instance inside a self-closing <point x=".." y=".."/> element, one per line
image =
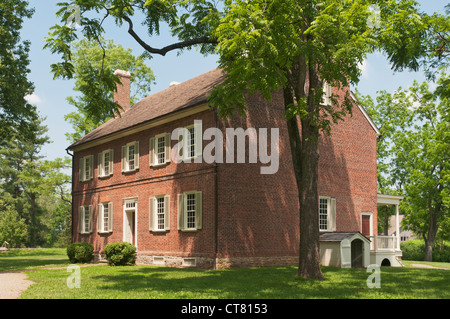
<point x="190" y="211"/>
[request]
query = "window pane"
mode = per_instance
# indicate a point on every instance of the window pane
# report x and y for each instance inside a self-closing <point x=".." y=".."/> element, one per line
<point x="86" y="219"/>
<point x="323" y="214"/>
<point x="105" y="217"/>
<point x="131" y="157"/>
<point x="190" y="211"/>
<point x="160" y="212"/>
<point x="106" y="163"/>
<point x="87" y="167"/>
<point x="191" y="142"/>
<point x="161" y="150"/>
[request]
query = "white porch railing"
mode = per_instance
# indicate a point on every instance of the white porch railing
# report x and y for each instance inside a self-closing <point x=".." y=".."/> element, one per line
<point x="383" y="243"/>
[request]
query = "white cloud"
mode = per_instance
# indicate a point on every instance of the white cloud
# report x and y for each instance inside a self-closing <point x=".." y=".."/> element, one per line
<point x="364" y="67"/>
<point x="33" y="99"/>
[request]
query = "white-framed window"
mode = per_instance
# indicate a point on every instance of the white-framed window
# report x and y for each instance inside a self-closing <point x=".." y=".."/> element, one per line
<point x="327" y="213"/>
<point x="159" y="215"/>
<point x="160" y="149"/>
<point x="105" y="217"/>
<point x="86" y="168"/>
<point x="190" y="145"/>
<point x="327" y="94"/>
<point x="85" y="219"/>
<point x="130" y="157"/>
<point x="190" y="211"/>
<point x="105" y="163"/>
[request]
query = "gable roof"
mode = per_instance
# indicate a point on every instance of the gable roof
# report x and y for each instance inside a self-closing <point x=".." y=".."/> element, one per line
<point x="173" y="99"/>
<point x="177" y="97"/>
<point x="340" y="236"/>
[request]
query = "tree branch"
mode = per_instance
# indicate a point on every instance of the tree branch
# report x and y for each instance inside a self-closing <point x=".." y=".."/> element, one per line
<point x="163" y="51"/>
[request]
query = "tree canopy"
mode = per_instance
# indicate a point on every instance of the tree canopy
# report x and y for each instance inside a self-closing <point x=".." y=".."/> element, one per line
<point x="414" y="155"/>
<point x="14" y="61"/>
<point x="91" y="58"/>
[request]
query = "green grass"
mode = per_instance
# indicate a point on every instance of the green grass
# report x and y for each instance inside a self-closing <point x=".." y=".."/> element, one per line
<point x="148" y="282"/>
<point x="408" y="263"/>
<point x="23" y="259"/>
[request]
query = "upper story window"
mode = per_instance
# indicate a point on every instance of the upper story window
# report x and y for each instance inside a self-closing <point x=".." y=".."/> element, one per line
<point x="130" y="157"/>
<point x="105" y="163"/>
<point x="85" y="219"/>
<point x="86" y="168"/>
<point x="327" y="94"/>
<point x="327" y="213"/>
<point x="191" y="141"/>
<point x="160" y="149"/>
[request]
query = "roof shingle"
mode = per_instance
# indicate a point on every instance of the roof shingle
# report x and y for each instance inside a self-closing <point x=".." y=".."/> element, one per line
<point x="175" y="98"/>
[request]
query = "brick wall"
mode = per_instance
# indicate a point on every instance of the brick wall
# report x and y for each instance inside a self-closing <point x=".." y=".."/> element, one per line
<point x="169" y="179"/>
<point x="257" y="215"/>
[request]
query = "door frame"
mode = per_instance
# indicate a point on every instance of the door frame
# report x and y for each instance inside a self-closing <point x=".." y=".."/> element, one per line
<point x="126" y="215"/>
<point x="370" y="226"/>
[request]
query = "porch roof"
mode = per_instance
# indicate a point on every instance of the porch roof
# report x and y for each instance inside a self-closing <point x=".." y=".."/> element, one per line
<point x="340" y="236"/>
<point x="383" y="199"/>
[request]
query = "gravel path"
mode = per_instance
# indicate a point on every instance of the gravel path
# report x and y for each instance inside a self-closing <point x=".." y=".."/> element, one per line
<point x="12" y="284"/>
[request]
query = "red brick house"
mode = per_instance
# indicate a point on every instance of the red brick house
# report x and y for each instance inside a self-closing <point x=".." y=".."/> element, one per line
<point x="215" y="214"/>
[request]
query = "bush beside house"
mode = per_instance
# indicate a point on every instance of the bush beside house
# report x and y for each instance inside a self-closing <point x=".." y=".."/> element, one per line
<point x="120" y="254"/>
<point x="80" y="252"/>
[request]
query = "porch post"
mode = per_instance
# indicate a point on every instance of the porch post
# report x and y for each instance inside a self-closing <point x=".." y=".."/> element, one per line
<point x="397" y="221"/>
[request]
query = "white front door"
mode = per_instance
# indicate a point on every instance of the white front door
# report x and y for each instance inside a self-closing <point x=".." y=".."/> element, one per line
<point x="129" y="222"/>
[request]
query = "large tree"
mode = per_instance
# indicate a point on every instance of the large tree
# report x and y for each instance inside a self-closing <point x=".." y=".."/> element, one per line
<point x="25" y="178"/>
<point x="264" y="46"/>
<point x="14" y="61"/>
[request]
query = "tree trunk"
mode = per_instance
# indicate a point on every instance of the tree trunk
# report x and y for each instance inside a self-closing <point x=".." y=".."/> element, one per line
<point x="432" y="230"/>
<point x="309" y="256"/>
<point x="305" y="157"/>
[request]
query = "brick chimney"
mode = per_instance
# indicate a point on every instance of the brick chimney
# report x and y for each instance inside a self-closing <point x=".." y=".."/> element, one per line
<point x="122" y="92"/>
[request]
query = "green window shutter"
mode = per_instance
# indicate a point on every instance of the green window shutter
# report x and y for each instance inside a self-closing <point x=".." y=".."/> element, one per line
<point x="124" y="158"/>
<point x="180" y="211"/>
<point x="80" y="219"/>
<point x="332" y="219"/>
<point x="111" y="161"/>
<point x="100" y="165"/>
<point x="167" y="145"/>
<point x="198" y="210"/>
<point x="167" y="212"/>
<point x="91" y="167"/>
<point x="136" y="155"/>
<point x="99" y="217"/>
<point x="152" y="142"/>
<point x="198" y="132"/>
<point x="90" y="218"/>
<point x="110" y="210"/>
<point x="152" y="213"/>
<point x="81" y="170"/>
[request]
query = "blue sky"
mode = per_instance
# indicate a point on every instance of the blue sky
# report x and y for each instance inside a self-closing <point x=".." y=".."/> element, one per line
<point x="50" y="95"/>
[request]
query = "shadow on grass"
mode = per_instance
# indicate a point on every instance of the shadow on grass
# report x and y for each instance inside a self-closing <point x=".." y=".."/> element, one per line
<point x="277" y="282"/>
<point x="16" y="259"/>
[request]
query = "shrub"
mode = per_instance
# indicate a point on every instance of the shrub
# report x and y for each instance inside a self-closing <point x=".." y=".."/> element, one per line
<point x="120" y="253"/>
<point x="80" y="252"/>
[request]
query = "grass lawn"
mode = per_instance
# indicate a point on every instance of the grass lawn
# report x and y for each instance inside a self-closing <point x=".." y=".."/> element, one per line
<point x="22" y="259"/>
<point x="149" y="282"/>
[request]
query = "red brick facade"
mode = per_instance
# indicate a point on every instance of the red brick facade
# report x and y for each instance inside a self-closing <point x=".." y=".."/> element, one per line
<point x="248" y="218"/>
